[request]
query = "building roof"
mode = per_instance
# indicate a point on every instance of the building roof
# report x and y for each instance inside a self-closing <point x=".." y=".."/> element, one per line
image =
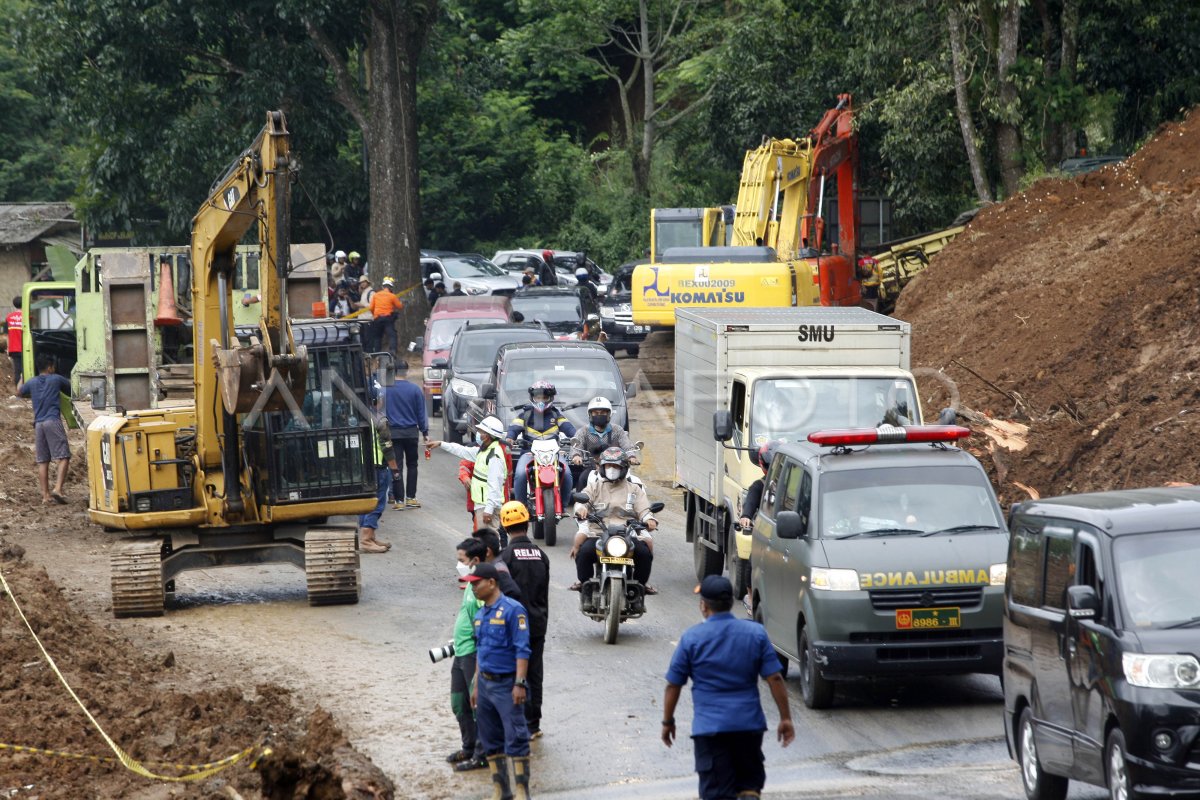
<point x="21" y="223"/>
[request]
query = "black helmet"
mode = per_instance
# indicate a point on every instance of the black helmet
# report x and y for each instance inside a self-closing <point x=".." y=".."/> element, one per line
<point x="613" y="456"/>
<point x="543" y="388"/>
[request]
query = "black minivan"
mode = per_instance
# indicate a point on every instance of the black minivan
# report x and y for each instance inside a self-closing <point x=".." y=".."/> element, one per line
<point x="1102" y="643"/>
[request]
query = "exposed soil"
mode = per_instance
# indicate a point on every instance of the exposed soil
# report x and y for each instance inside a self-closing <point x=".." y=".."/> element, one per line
<point x="158" y="708"/>
<point x="1077" y="301"/>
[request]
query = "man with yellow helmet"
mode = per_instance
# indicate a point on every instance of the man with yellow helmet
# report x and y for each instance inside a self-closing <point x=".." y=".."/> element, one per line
<point x="530" y="569"/>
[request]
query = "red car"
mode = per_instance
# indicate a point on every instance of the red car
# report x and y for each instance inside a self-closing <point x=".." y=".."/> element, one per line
<point x="448" y="315"/>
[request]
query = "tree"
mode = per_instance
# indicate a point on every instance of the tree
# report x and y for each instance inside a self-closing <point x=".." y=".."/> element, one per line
<point x="962" y="108"/>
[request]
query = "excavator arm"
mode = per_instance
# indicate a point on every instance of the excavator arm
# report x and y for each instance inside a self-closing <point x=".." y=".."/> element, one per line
<point x="835" y="152"/>
<point x="254" y="191"/>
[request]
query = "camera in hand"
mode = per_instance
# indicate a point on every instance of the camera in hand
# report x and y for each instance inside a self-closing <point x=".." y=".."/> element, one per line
<point x="436" y="654"/>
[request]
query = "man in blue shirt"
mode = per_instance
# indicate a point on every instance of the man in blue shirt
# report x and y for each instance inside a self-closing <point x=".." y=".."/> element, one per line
<point x="405" y="406"/>
<point x="502" y="663"/>
<point x="50" y="436"/>
<point x="724" y="657"/>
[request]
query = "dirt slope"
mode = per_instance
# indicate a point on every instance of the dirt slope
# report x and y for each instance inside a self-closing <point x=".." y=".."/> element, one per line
<point x="1078" y="299"/>
<point x="156" y="708"/>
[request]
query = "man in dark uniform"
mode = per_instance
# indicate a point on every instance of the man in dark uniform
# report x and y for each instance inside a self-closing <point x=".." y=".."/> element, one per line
<point x="502" y="664"/>
<point x="530" y="568"/>
<point x="724" y="657"/>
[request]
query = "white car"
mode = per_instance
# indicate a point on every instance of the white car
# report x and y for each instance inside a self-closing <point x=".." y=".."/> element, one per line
<point x="477" y="275"/>
<point x="565" y="262"/>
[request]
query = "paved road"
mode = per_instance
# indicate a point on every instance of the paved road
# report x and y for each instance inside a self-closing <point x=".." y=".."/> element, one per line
<point x="368" y="664"/>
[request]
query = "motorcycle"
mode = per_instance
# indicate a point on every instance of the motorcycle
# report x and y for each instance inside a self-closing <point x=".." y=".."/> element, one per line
<point x="612" y="595"/>
<point x="545" y="476"/>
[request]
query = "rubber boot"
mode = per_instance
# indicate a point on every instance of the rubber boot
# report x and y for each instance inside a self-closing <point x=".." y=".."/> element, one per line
<point x="500" y="787"/>
<point x="521" y="776"/>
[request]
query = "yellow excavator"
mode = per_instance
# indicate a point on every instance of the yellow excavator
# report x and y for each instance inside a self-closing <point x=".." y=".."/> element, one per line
<point x="279" y="438"/>
<point x="776" y="258"/>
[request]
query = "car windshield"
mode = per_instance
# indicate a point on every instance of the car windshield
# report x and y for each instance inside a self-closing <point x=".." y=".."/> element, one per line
<point x="576" y="378"/>
<point x="549" y="309"/>
<point x="477" y="353"/>
<point x="788" y="409"/>
<point x="927" y="499"/>
<point x="441" y="332"/>
<point x="1156" y="577"/>
<point x="676" y="233"/>
<point x="470" y="267"/>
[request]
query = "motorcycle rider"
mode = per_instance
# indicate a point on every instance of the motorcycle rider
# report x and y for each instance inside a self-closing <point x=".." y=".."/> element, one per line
<point x="539" y="417"/>
<point x="491" y="469"/>
<point x="613" y="489"/>
<point x="598" y="436"/>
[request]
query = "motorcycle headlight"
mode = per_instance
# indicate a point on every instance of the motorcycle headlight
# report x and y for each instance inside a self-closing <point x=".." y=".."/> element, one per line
<point x="835" y="580"/>
<point x="463" y="388"/>
<point x="616" y="547"/>
<point x="477" y="290"/>
<point x="1161" y="671"/>
<point x="608" y="312"/>
<point x="997" y="573"/>
<point x="432" y="374"/>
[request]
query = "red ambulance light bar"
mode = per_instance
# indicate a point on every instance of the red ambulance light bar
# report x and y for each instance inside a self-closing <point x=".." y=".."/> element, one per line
<point x="889" y="434"/>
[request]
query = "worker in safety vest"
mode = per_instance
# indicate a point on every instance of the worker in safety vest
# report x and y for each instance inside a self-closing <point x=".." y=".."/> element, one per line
<point x="491" y="469"/>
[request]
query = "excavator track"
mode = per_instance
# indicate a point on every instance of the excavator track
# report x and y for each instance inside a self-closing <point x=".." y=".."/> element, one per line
<point x="656" y="359"/>
<point x="331" y="566"/>
<point x="137" y="578"/>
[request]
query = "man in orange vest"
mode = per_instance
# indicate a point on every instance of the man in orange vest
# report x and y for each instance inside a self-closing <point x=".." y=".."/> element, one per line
<point x="12" y="323"/>
<point x="384" y="308"/>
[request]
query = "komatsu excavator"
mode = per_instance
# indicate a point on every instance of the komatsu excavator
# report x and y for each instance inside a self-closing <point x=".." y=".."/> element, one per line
<point x="777" y="256"/>
<point x="280" y="436"/>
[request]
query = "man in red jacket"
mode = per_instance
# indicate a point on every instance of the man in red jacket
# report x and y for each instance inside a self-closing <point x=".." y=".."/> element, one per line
<point x="12" y="323"/>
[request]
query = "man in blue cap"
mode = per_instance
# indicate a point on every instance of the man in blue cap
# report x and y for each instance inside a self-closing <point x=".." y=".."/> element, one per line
<point x="501" y="669"/>
<point x="724" y="657"/>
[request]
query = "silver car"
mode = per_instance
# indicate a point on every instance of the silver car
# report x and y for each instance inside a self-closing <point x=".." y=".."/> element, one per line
<point x="477" y="275"/>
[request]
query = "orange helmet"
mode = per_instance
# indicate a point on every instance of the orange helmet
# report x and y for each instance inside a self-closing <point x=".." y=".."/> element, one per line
<point x="513" y="512"/>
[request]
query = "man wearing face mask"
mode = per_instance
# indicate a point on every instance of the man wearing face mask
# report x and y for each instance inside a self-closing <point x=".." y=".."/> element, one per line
<point x="462" y="672"/>
<point x="598" y="436"/>
<point x="491" y="469"/>
<point x="539" y="417"/>
<point x="612" y="489"/>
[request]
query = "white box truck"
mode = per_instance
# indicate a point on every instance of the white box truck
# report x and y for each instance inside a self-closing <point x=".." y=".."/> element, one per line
<point x="781" y="373"/>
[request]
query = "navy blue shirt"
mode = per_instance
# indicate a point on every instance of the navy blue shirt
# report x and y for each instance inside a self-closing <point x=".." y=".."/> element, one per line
<point x="405" y="405"/>
<point x="501" y="635"/>
<point x="724" y="657"/>
<point x="44" y="390"/>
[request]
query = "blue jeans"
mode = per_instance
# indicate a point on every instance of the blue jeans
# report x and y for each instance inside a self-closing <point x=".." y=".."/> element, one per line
<point x="521" y="481"/>
<point x="383" y="482"/>
<point x="501" y="722"/>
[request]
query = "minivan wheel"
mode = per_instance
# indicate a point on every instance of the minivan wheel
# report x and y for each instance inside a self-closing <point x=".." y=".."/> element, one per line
<point x="1116" y="768"/>
<point x="1038" y="784"/>
<point x="816" y="690"/>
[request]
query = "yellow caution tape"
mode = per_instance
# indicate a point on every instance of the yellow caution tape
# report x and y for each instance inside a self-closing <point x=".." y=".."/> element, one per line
<point x="198" y="771"/>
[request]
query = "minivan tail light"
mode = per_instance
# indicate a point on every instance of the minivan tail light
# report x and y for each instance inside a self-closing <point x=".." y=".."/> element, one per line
<point x="888" y="434"/>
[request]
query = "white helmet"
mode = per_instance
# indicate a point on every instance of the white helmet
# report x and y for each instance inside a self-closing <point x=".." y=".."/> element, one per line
<point x="340" y="254"/>
<point x="492" y="426"/>
<point x="597" y="403"/>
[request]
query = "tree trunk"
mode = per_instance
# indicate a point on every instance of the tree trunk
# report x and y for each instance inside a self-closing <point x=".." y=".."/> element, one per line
<point x="397" y="34"/>
<point x="1008" y="136"/>
<point x="1052" y="119"/>
<point x="1069" y="68"/>
<point x="962" y="107"/>
<point x="642" y="160"/>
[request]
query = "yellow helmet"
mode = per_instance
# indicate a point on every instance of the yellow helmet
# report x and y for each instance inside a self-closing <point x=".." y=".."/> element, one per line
<point x="513" y="512"/>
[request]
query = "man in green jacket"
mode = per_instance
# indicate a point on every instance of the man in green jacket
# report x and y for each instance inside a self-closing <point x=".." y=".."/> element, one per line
<point x="462" y="672"/>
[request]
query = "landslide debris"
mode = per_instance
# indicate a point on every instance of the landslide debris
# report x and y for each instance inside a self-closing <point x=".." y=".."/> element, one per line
<point x="1072" y="308"/>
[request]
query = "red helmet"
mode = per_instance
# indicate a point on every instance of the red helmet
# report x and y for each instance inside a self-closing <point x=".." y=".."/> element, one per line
<point x="766" y="451"/>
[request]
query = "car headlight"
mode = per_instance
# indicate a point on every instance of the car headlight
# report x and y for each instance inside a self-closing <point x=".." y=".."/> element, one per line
<point x="616" y="547"/>
<point x="997" y="573"/>
<point x="1161" y="672"/>
<point x="476" y="289"/>
<point x="432" y="374"/>
<point x="608" y="312"/>
<point x="835" y="580"/>
<point x="463" y="388"/>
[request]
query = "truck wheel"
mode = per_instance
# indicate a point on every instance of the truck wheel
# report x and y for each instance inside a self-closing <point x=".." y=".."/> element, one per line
<point x="633" y="351"/>
<point x="740" y="577"/>
<point x="815" y="689"/>
<point x="707" y="561"/>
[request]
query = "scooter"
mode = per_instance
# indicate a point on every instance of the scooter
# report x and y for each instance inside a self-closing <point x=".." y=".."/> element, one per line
<point x="612" y="595"/>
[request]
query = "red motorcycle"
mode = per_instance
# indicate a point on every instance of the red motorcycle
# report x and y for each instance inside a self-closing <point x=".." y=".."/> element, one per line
<point x="545" y="477"/>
